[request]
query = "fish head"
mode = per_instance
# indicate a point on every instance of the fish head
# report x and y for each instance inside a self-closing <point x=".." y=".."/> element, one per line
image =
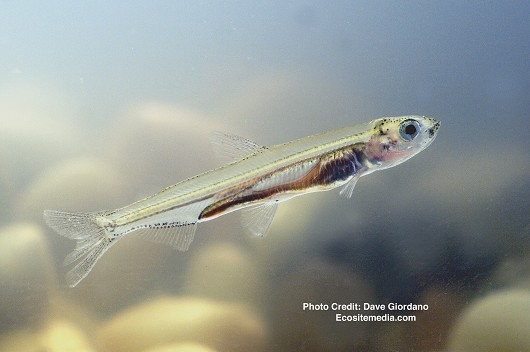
<point x="397" y="139"/>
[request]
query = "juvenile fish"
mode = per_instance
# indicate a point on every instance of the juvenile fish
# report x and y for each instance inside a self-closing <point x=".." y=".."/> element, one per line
<point x="255" y="179"/>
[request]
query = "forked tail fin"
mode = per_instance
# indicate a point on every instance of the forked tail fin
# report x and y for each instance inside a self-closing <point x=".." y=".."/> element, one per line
<point x="92" y="240"/>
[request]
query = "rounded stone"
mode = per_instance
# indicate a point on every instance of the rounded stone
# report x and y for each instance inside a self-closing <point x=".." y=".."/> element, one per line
<point x="27" y="276"/>
<point x="55" y="336"/>
<point x="215" y="324"/>
<point x="162" y="144"/>
<point x="78" y="184"/>
<point x="181" y="347"/>
<point x="497" y="322"/>
<point x="223" y="271"/>
<point x="39" y="124"/>
<point x="61" y="335"/>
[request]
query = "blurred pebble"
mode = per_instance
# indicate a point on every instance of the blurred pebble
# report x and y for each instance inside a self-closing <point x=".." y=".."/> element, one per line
<point x="38" y="126"/>
<point x="513" y="273"/>
<point x="497" y="322"/>
<point x="63" y="336"/>
<point x="63" y="309"/>
<point x="218" y="325"/>
<point x="431" y="328"/>
<point x="319" y="282"/>
<point x="79" y="184"/>
<point x="56" y="336"/>
<point x="26" y="274"/>
<point x="20" y="341"/>
<point x="223" y="271"/>
<point x="161" y="144"/>
<point x="181" y="347"/>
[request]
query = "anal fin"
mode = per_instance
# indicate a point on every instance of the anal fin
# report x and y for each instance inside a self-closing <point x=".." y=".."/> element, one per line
<point x="178" y="236"/>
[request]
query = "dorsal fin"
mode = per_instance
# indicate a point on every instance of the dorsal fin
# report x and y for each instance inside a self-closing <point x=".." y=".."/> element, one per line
<point x="230" y="147"/>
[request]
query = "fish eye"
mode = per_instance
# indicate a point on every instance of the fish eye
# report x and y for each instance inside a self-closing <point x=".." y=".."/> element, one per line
<point x="409" y="129"/>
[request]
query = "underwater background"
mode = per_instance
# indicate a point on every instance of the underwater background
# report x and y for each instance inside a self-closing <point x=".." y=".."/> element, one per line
<point x="103" y="103"/>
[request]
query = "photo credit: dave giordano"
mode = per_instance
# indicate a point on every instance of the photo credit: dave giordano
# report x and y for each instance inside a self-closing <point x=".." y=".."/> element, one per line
<point x="367" y="312"/>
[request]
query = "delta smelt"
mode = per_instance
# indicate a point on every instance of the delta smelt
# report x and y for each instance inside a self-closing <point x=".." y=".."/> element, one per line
<point x="255" y="179"/>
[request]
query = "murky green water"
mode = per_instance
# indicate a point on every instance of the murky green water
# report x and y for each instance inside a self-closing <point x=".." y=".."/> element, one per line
<point x="103" y="104"/>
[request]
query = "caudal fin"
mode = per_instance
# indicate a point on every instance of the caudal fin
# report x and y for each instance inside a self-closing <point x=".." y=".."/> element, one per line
<point x="91" y="237"/>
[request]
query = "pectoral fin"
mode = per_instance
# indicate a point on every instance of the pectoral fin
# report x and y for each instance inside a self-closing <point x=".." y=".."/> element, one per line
<point x="347" y="189"/>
